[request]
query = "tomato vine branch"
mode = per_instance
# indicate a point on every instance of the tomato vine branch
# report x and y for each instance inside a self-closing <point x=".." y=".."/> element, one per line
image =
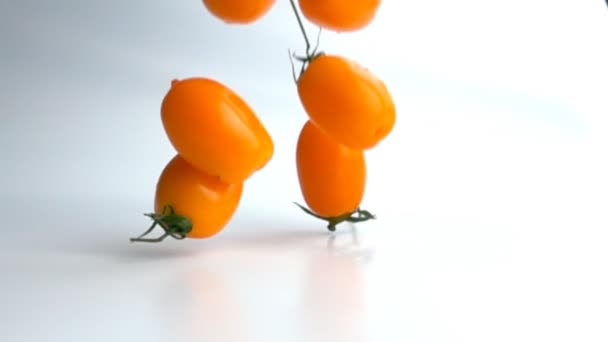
<point x="293" y="67"/>
<point x="310" y="55"/>
<point x="297" y="14"/>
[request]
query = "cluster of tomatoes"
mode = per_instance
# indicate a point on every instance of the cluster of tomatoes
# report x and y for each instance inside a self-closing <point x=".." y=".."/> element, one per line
<point x="221" y="142"/>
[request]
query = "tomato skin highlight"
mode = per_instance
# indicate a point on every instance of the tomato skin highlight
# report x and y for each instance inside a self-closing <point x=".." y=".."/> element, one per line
<point x="215" y="130"/>
<point x="340" y="15"/>
<point x="238" y="11"/>
<point x="332" y="176"/>
<point x="347" y="101"/>
<point x="205" y="200"/>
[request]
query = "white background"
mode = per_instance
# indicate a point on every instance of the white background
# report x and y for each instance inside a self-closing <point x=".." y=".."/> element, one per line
<point x="491" y="191"/>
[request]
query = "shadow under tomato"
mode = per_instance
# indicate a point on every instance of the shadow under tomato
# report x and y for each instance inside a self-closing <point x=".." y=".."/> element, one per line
<point x="117" y="248"/>
<point x="262" y="240"/>
<point x="106" y="243"/>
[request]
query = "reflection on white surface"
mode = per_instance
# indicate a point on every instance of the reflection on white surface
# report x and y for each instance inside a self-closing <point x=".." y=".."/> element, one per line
<point x="275" y="285"/>
<point x="203" y="305"/>
<point x="414" y="278"/>
<point x="334" y="295"/>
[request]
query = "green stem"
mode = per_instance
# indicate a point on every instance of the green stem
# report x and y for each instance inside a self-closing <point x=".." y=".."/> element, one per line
<point x="355" y="216"/>
<point x="310" y="55"/>
<point x="158" y="239"/>
<point x="297" y="14"/>
<point x="174" y="225"/>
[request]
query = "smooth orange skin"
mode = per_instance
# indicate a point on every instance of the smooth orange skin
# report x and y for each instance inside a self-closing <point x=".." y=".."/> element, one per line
<point x="347" y="101"/>
<point x="215" y="130"/>
<point x="239" y="11"/>
<point x="331" y="175"/>
<point x="208" y="202"/>
<point x="340" y="15"/>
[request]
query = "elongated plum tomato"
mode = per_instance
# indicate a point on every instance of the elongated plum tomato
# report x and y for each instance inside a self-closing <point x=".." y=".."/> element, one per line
<point x="215" y="130"/>
<point x="206" y="201"/>
<point x="347" y="101"/>
<point x="238" y="11"/>
<point x="331" y="175"/>
<point x="340" y="15"/>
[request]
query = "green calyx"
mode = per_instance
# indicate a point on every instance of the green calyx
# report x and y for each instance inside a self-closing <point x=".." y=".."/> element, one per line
<point x="357" y="215"/>
<point x="174" y="225"/>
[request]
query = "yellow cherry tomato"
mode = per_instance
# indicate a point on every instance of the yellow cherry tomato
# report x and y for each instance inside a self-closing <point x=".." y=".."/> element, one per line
<point x="347" y="101"/>
<point x="215" y="129"/>
<point x="331" y="175"/>
<point x="239" y="11"/>
<point x="340" y="15"/>
<point x="191" y="203"/>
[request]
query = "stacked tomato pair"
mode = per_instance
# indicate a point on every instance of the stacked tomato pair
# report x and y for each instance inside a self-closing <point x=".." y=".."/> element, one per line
<point x="221" y="142"/>
<point x="350" y="111"/>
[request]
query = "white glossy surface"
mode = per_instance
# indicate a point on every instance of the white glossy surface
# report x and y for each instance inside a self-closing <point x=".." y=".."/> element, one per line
<point x="491" y="193"/>
<point x="69" y="276"/>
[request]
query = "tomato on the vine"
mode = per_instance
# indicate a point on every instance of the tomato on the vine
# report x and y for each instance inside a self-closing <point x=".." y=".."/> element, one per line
<point x="215" y="130"/>
<point x="191" y="203"/>
<point x="239" y="11"/>
<point x="340" y="15"/>
<point x="347" y="101"/>
<point x="331" y="176"/>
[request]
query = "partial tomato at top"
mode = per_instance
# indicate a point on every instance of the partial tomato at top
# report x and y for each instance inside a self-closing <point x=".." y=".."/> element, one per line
<point x="347" y="101"/>
<point x="215" y="130"/>
<point x="340" y="15"/>
<point x="331" y="176"/>
<point x="191" y="203"/>
<point x="239" y="11"/>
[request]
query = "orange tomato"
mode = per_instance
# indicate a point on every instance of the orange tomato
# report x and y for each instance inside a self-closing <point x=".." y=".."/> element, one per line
<point x="347" y="101"/>
<point x="238" y="11"/>
<point x="331" y="175"/>
<point x="215" y="130"/>
<point x="340" y="15"/>
<point x="204" y="200"/>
